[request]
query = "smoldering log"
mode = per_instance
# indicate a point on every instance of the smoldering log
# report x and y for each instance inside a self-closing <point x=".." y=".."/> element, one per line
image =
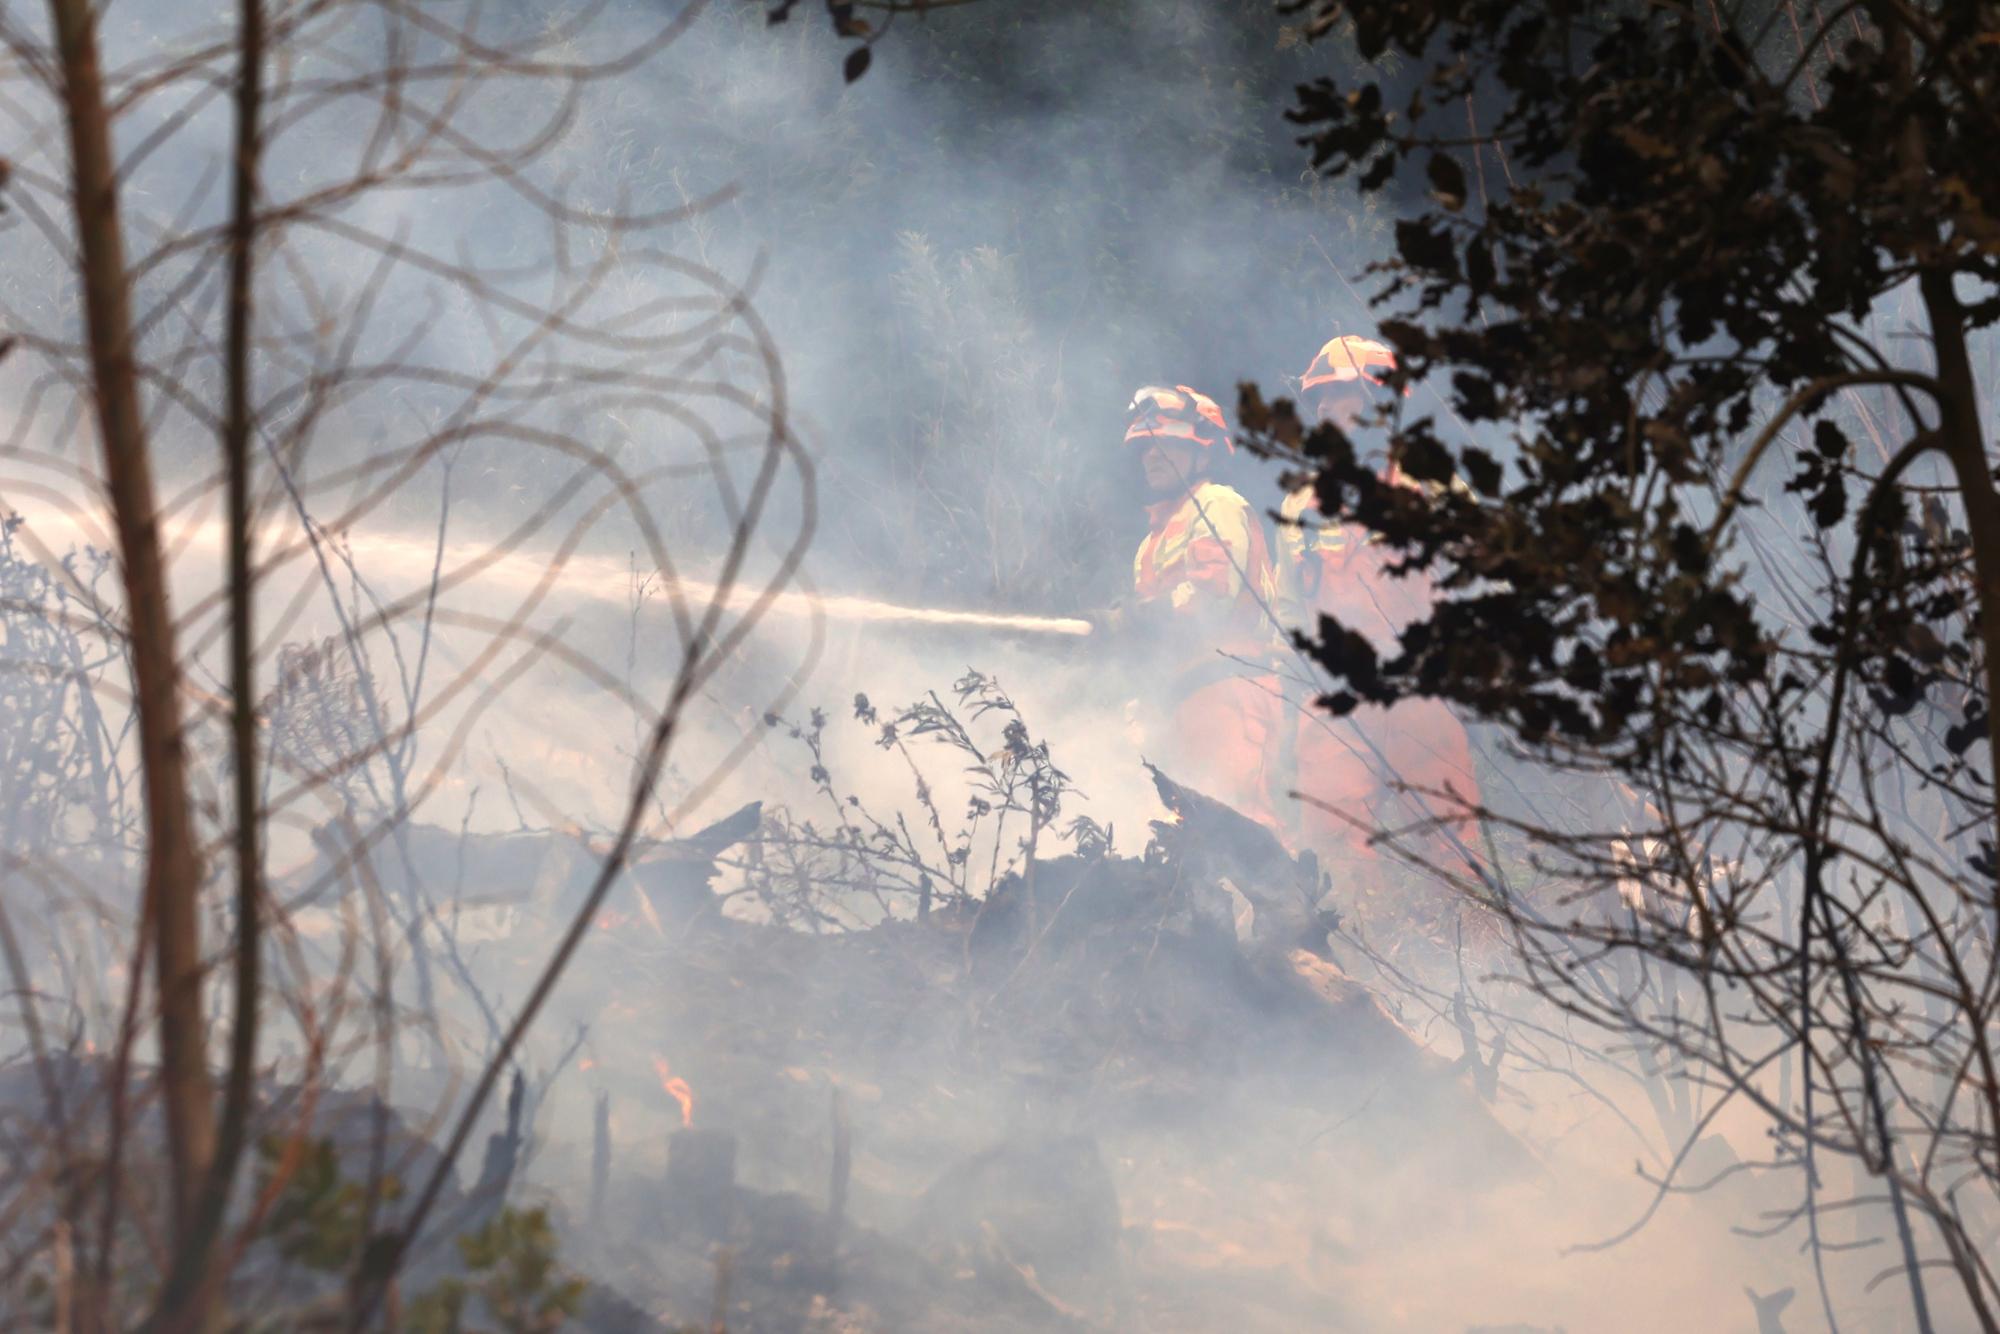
<point x="701" y="1183"/>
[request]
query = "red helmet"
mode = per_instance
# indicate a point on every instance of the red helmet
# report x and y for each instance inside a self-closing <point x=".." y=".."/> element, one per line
<point x="1349" y="357"/>
<point x="1179" y="413"/>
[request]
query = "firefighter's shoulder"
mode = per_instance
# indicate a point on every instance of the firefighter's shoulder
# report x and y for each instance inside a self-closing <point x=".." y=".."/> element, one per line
<point x="1300" y="505"/>
<point x="1219" y="498"/>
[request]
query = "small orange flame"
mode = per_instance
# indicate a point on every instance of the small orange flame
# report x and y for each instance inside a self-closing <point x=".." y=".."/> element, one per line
<point x="677" y="1089"/>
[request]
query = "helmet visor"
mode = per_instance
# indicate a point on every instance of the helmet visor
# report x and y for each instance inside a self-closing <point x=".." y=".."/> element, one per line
<point x="1342" y="401"/>
<point x="1152" y="425"/>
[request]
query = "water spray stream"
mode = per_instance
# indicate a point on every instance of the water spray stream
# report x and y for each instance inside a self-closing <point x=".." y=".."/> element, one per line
<point x="595" y="578"/>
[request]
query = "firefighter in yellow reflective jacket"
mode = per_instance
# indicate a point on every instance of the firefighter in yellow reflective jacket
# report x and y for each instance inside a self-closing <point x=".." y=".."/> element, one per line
<point x="1201" y="584"/>
<point x="1350" y="768"/>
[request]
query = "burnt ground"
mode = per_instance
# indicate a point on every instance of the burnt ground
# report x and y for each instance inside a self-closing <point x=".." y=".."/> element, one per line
<point x="1101" y="1100"/>
<point x="1123" y="1093"/>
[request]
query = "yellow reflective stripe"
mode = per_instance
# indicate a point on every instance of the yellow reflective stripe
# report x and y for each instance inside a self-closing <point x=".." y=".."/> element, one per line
<point x="1212" y="511"/>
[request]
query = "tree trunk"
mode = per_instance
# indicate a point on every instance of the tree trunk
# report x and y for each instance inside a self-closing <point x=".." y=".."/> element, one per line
<point x="173" y="865"/>
<point x="194" y="1280"/>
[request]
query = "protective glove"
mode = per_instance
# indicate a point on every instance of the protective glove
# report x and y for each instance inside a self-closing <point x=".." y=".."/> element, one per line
<point x="1126" y="619"/>
<point x="1108" y="621"/>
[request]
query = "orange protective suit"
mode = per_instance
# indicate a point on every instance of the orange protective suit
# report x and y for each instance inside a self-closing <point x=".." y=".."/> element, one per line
<point x="1203" y="577"/>
<point x="1350" y="764"/>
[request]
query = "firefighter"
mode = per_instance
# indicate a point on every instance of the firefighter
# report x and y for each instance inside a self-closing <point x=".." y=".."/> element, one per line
<point x="1352" y="765"/>
<point x="1201" y="586"/>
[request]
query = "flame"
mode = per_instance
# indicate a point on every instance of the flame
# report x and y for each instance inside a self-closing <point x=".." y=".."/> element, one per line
<point x="677" y="1089"/>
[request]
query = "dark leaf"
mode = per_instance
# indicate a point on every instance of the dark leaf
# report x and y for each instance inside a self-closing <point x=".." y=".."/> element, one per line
<point x="1958" y="738"/>
<point x="1830" y="505"/>
<point x="1482" y="471"/>
<point x="1924" y="643"/>
<point x="1425" y="248"/>
<point x="1447" y="181"/>
<point x="1479" y="270"/>
<point x="1423" y="458"/>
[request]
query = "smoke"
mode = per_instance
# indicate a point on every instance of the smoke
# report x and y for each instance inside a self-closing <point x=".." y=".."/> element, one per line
<point x="970" y="259"/>
<point x="973" y="257"/>
<point x="967" y="262"/>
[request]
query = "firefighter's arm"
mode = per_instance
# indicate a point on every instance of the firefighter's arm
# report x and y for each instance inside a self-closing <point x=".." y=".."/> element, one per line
<point x="1299" y="524"/>
<point x="1133" y="618"/>
<point x="1125" y="618"/>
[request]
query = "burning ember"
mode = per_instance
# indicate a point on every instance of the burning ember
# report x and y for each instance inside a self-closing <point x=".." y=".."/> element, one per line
<point x="677" y="1089"/>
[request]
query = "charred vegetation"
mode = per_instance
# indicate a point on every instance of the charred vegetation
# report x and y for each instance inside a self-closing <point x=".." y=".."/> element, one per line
<point x="427" y="901"/>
